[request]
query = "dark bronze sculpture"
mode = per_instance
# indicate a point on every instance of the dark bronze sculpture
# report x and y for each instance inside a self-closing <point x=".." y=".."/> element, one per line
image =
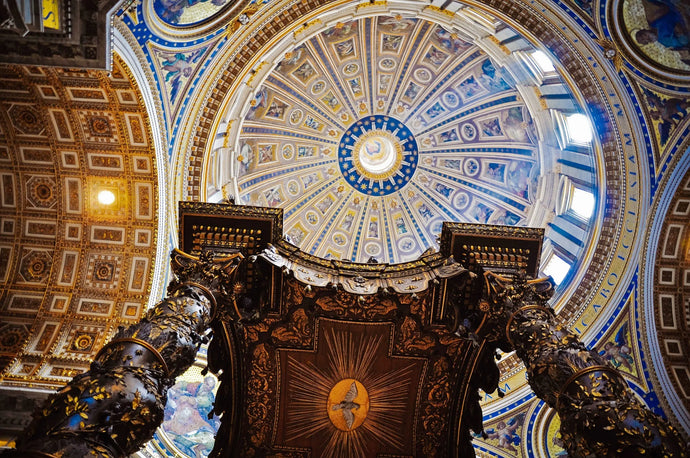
<point x="115" y="407"/>
<point x="600" y="416"/>
<point x="444" y="315"/>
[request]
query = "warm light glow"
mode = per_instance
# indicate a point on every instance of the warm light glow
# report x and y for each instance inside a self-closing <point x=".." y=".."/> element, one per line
<point x="543" y="61"/>
<point x="583" y="203"/>
<point x="557" y="268"/>
<point x="579" y="128"/>
<point x="106" y="197"/>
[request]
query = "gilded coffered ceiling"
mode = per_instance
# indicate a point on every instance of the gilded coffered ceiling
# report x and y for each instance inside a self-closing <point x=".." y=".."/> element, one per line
<point x="72" y="266"/>
<point x="668" y="296"/>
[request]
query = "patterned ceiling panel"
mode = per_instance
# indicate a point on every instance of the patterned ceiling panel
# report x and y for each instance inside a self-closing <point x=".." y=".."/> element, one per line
<point x="671" y="292"/>
<point x="373" y="132"/>
<point x="71" y="268"/>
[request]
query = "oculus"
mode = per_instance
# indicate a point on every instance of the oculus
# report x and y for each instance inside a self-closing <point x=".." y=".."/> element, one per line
<point x="377" y="155"/>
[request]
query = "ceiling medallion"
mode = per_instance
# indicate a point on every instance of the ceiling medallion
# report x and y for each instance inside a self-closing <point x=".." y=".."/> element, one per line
<point x="377" y="155"/>
<point x="348" y="404"/>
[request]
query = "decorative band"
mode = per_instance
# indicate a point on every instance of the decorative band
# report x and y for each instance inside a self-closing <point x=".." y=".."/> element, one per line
<point x="524" y="308"/>
<point x="580" y="373"/>
<point x="207" y="292"/>
<point x="141" y="343"/>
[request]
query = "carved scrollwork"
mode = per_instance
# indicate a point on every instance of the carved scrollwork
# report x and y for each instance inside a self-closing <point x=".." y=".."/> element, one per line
<point x="258" y="407"/>
<point x="412" y="340"/>
<point x="347" y="305"/>
<point x="297" y="331"/>
<point x="435" y="405"/>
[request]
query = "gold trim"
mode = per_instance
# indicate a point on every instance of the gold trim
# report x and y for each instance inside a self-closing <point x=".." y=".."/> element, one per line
<point x="144" y="344"/>
<point x="524" y="308"/>
<point x="579" y="374"/>
<point x="468" y="390"/>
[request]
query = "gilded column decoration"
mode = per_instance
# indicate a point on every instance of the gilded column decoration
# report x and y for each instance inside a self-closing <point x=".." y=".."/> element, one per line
<point x="599" y="414"/>
<point x="115" y="407"/>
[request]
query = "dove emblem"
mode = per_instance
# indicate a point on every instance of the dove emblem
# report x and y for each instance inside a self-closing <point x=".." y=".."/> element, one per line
<point x="347" y="405"/>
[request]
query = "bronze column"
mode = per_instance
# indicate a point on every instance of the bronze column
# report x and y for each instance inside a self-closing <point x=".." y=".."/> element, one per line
<point x="600" y="416"/>
<point x="115" y="407"/>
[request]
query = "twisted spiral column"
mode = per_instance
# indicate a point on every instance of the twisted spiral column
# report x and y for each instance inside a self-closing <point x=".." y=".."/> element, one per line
<point x="600" y="416"/>
<point x="115" y="407"/>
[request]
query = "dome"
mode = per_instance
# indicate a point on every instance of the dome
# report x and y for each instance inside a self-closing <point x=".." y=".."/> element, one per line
<point x="371" y="132"/>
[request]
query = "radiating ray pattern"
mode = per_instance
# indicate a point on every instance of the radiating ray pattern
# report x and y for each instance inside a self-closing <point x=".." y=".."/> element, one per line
<point x="359" y="352"/>
<point x="475" y="142"/>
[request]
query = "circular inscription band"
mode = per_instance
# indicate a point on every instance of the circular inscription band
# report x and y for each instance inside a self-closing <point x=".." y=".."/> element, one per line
<point x="377" y="155"/>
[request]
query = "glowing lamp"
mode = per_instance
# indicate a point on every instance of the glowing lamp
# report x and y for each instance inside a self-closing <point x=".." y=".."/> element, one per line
<point x="106" y="197"/>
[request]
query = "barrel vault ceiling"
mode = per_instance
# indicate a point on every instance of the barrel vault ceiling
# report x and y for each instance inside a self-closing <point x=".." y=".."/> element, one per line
<point x="72" y="268"/>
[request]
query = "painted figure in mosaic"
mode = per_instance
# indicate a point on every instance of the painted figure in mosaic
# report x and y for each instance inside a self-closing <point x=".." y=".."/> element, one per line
<point x="449" y="136"/>
<point x="171" y="10"/>
<point x="669" y="24"/>
<point x="340" y="30"/>
<point x="619" y="353"/>
<point x="495" y="80"/>
<point x="276" y="110"/>
<point x="436" y="56"/>
<point x="469" y="87"/>
<point x="345" y="48"/>
<point x="273" y="198"/>
<point x="396" y="24"/>
<point x="178" y="66"/>
<point x="450" y="42"/>
<point x="373" y="229"/>
<point x="245" y="158"/>
<point x="670" y="112"/>
<point x="518" y="179"/>
<point x="187" y="416"/>
<point x="412" y="91"/>
<point x="347" y="222"/>
<point x="506" y="432"/>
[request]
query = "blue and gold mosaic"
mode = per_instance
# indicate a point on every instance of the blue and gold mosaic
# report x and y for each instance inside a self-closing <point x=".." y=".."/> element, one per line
<point x="377" y="155"/>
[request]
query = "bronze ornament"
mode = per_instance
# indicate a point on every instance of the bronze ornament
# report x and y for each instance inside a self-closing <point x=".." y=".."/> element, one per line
<point x="600" y="416"/>
<point x="115" y="407"/>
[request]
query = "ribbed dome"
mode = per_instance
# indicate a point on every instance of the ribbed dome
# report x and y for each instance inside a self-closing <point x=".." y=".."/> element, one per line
<point x="374" y="131"/>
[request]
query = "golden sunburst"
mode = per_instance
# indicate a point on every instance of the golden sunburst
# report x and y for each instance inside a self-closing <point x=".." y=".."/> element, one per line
<point x="357" y="399"/>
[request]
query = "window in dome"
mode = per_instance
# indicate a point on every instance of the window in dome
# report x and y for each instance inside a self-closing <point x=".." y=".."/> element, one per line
<point x="582" y="202"/>
<point x="543" y="61"/>
<point x="579" y="128"/>
<point x="557" y="268"/>
<point x="574" y="130"/>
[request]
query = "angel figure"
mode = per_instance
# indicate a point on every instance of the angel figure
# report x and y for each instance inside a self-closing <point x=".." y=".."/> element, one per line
<point x="669" y="112"/>
<point x="506" y="433"/>
<point x="619" y="353"/>
<point x="178" y="66"/>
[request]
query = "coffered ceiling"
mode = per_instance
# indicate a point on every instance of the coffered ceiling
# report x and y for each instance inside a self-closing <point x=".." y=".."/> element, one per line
<point x="72" y="268"/>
